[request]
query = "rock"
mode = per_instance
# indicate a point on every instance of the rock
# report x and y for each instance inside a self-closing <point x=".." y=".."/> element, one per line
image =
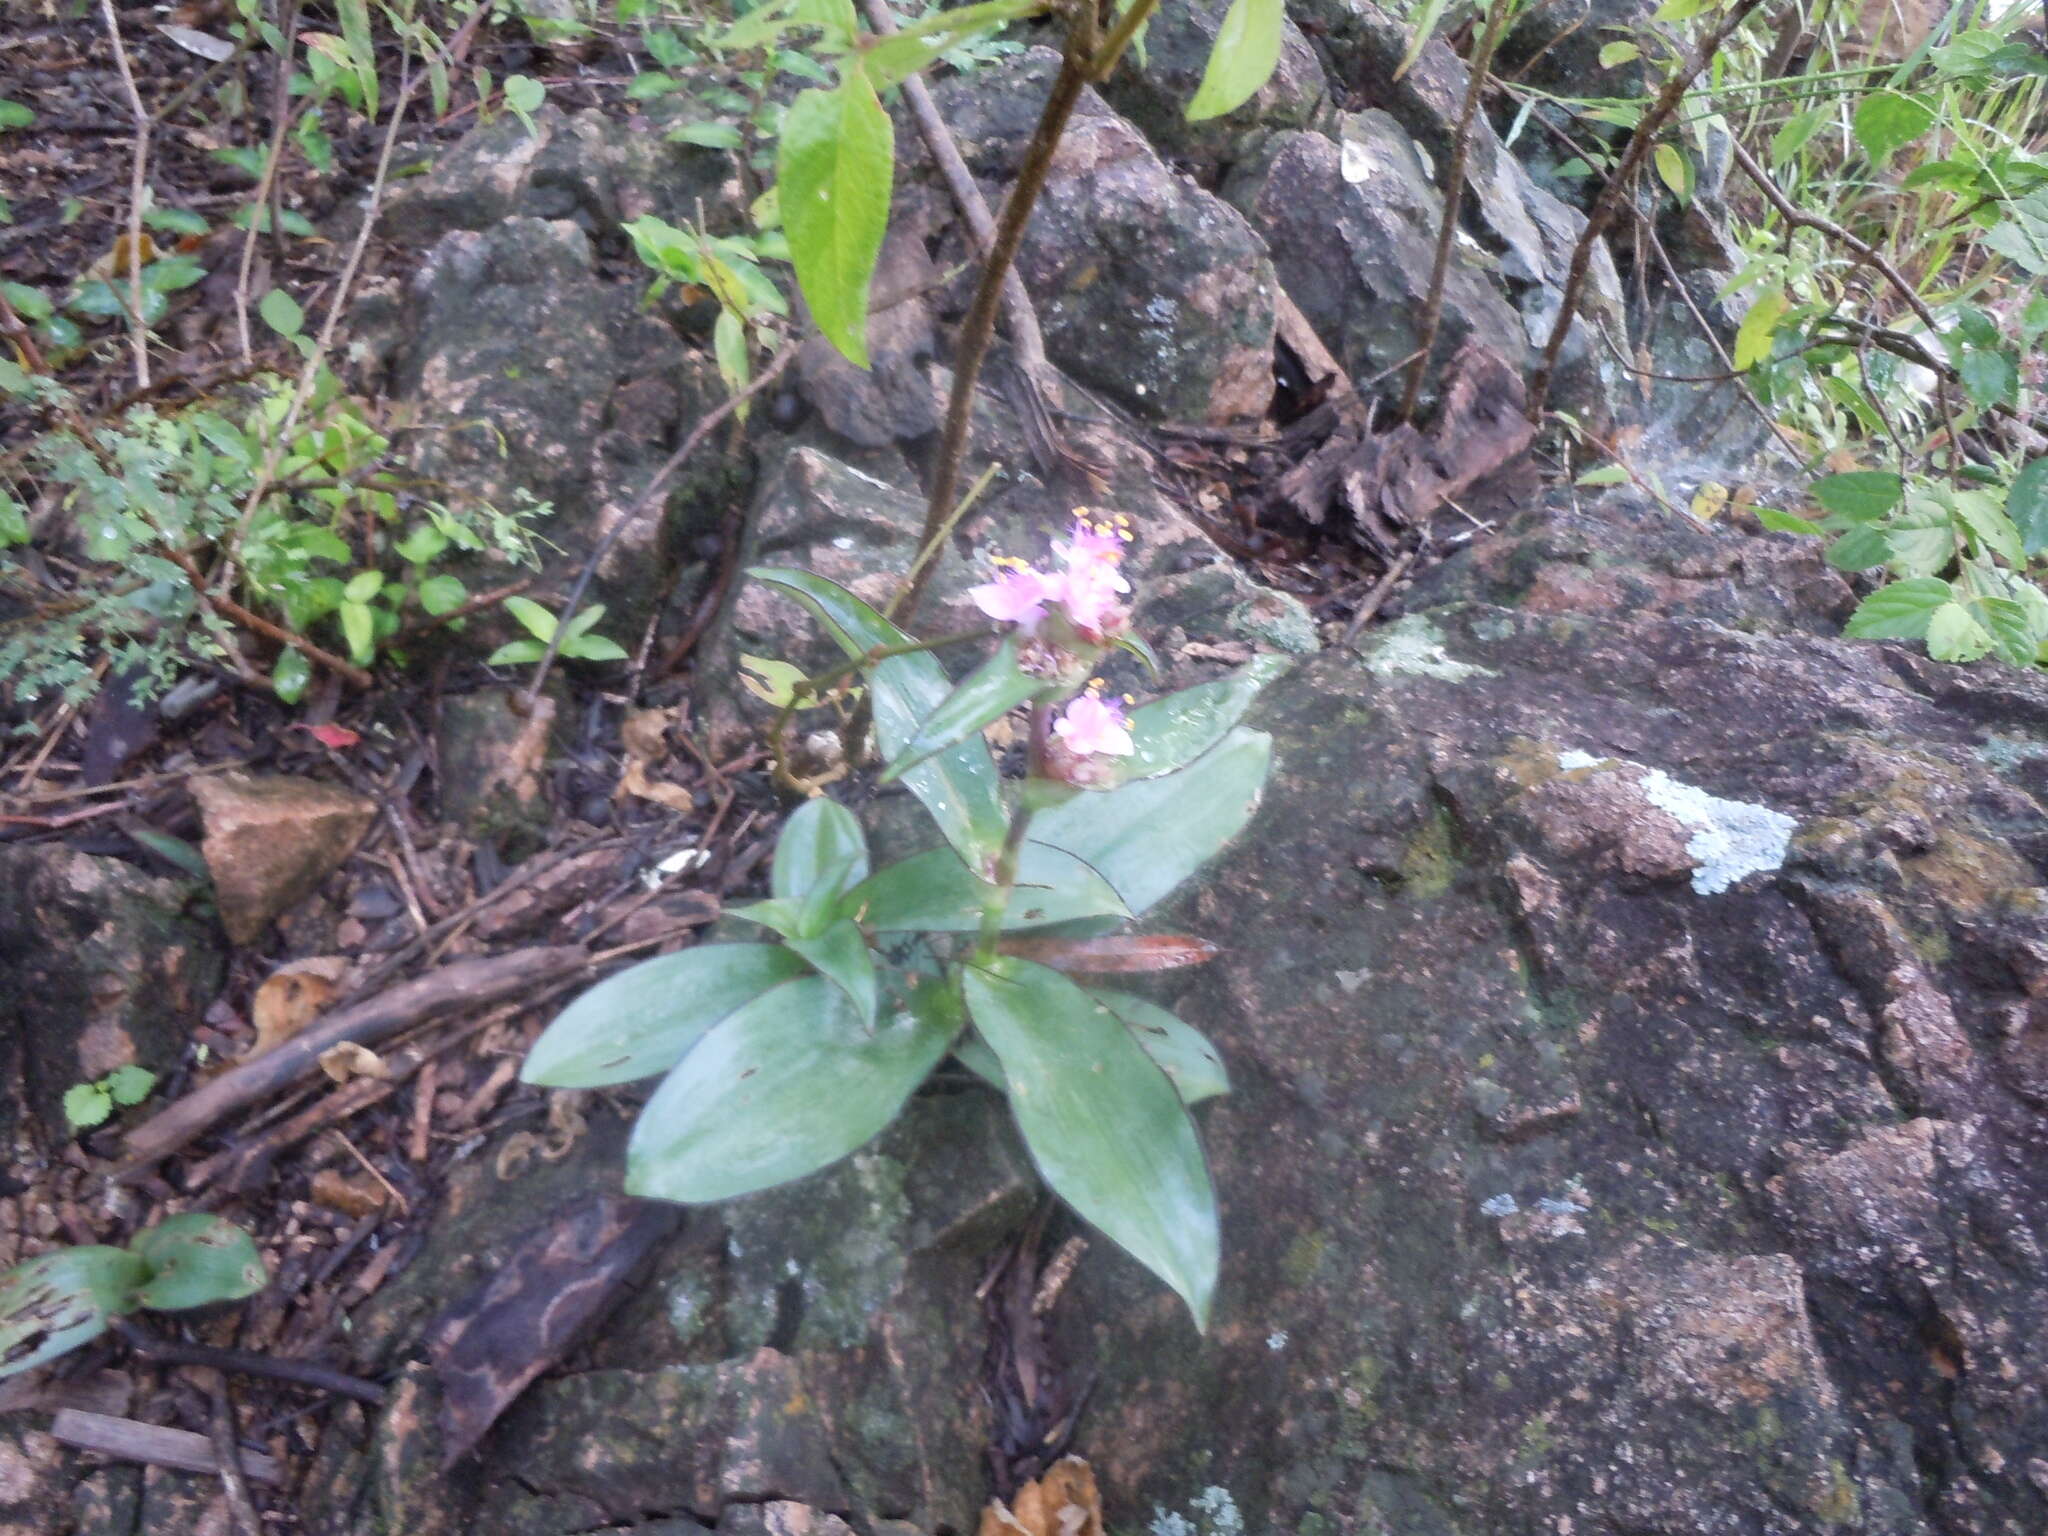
<point x="1147" y="288"/>
<point x="894" y="398"/>
<point x="1557" y="48"/>
<point x="492" y="765"/>
<point x="1156" y="83"/>
<point x="1353" y="236"/>
<point x="541" y="380"/>
<point x="101" y="966"/>
<point x="269" y="842"/>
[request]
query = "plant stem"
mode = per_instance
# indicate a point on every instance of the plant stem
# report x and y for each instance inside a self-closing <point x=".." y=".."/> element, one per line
<point x="1608" y="203"/>
<point x="817" y="686"/>
<point x="1454" y="194"/>
<point x="1013" y="842"/>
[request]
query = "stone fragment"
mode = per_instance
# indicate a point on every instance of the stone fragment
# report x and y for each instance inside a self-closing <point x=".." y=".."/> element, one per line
<point x="492" y="760"/>
<point x="269" y="842"/>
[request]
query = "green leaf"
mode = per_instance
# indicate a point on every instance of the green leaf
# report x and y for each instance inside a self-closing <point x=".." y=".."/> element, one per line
<point x="1989" y="525"/>
<point x="54" y="1303"/>
<point x="1615" y="53"/>
<point x="2011" y="630"/>
<point x="129" y="1085"/>
<point x="836" y="166"/>
<point x="784" y="1086"/>
<point x="291" y="675"/>
<point x="2026" y="503"/>
<point x="1103" y="1122"/>
<point x="1243" y="58"/>
<point x="1753" y="337"/>
<point x="935" y="893"/>
<point x="889" y="60"/>
<point x="1785" y="522"/>
<point x="1190" y="1062"/>
<point x="984" y="696"/>
<point x="646" y="1018"/>
<point x="195" y="1260"/>
<point x="87" y="1105"/>
<point x="1859" y="549"/>
<point x="2022" y="237"/>
<point x="29" y="303"/>
<point x="1149" y="836"/>
<point x="593" y="648"/>
<point x="362" y="586"/>
<point x="1861" y="495"/>
<point x="523" y="93"/>
<point x="1989" y="378"/>
<point x="1793" y="137"/>
<point x="1674" y="170"/>
<point x="281" y="312"/>
<point x="359" y="628"/>
<point x="841" y="954"/>
<point x="958" y="786"/>
<point x="538" y="622"/>
<point x="729" y="346"/>
<point x="1887" y="121"/>
<point x="1606" y="474"/>
<point x="1167" y="734"/>
<point x="820" y="854"/>
<point x="516" y="653"/>
<point x="1422" y="27"/>
<point x="14" y="115"/>
<point x="1953" y="634"/>
<point x="1899" y="610"/>
<point x="441" y="594"/>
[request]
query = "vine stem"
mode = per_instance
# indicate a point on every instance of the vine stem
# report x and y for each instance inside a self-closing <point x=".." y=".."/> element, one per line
<point x="1454" y="195"/>
<point x="1081" y="63"/>
<point x="1608" y="203"/>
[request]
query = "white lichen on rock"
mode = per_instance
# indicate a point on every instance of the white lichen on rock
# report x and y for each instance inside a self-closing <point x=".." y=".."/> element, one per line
<point x="1215" y="1514"/>
<point x="1730" y="838"/>
<point x="1412" y="647"/>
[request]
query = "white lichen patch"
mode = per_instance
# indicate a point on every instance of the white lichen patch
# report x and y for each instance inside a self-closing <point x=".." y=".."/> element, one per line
<point x="1730" y="839"/>
<point x="1412" y="647"/>
<point x="1277" y="1340"/>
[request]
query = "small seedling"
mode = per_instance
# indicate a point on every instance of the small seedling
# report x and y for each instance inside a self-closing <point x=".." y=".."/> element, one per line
<point x="578" y="643"/>
<point x="89" y="1104"/>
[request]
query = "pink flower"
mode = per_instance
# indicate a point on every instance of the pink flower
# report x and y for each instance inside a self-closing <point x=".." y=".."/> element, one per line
<point x="1018" y="595"/>
<point x="1094" y="726"/>
<point x="1094" y="541"/>
<point x="1088" y="590"/>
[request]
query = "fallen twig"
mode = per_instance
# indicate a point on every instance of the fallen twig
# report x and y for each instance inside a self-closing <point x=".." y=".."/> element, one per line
<point x="227" y="1453"/>
<point x="228" y="608"/>
<point x="138" y="190"/>
<point x="465" y="984"/>
<point x="158" y="1444"/>
<point x="1377" y="597"/>
<point x="301" y="1373"/>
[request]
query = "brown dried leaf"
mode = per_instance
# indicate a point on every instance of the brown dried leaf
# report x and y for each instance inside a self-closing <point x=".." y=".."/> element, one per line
<point x="290" y="998"/>
<point x="352" y="1197"/>
<point x="349" y="1060"/>
<point x="1065" y="1502"/>
<point x="562" y="1278"/>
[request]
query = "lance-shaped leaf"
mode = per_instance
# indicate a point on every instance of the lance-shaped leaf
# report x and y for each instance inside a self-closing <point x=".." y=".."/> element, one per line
<point x="836" y="162"/>
<point x="1184" y="1054"/>
<point x="1167" y="734"/>
<point x="820" y="854"/>
<point x="890" y="60"/>
<point x="984" y="696"/>
<point x="1103" y="1122"/>
<point x="841" y="955"/>
<point x="958" y="786"/>
<point x="935" y="893"/>
<point x="195" y="1260"/>
<point x="786" y="1085"/>
<point x="61" y="1300"/>
<point x="1149" y="836"/>
<point x="644" y="1019"/>
<point x="1242" y="59"/>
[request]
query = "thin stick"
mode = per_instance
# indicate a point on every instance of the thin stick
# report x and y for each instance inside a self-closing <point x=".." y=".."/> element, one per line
<point x="281" y="110"/>
<point x="704" y="428"/>
<point x="937" y="541"/>
<point x="228" y="1452"/>
<point x="938" y="138"/>
<point x="138" y="190"/>
<point x="1377" y="597"/>
<point x="157" y="1444"/>
<point x="1608" y="203"/>
<point x="1454" y="195"/>
<point x="302" y="1373"/>
<point x="228" y="608"/>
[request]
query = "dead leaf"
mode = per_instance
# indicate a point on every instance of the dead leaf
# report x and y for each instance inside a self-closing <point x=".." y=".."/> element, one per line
<point x="1065" y="1502"/>
<point x="1118" y="954"/>
<point x="644" y="733"/>
<point x="290" y="998"/>
<point x="352" y="1197"/>
<point x="350" y="1060"/>
<point x="335" y="736"/>
<point x="217" y="50"/>
<point x="566" y="1274"/>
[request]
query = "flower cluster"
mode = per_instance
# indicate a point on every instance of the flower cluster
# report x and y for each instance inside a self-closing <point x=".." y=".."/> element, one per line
<point x="1066" y="614"/>
<point x="1085" y="587"/>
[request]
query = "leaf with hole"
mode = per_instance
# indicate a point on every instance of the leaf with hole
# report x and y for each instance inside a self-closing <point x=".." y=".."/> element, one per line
<point x="1103" y="1121"/>
<point x="645" y="1019"/>
<point x="783" y="1087"/>
<point x="54" y="1303"/>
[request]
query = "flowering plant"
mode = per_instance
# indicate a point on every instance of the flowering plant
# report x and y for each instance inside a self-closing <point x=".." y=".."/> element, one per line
<point x="783" y="1057"/>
